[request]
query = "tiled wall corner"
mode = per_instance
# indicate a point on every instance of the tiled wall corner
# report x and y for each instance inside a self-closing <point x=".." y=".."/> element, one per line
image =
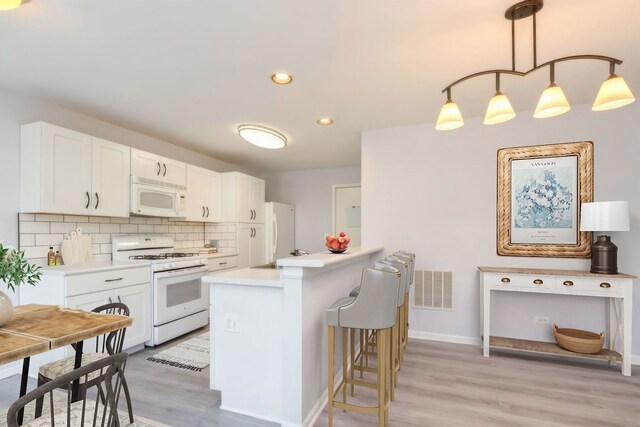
<point x="40" y="231"/>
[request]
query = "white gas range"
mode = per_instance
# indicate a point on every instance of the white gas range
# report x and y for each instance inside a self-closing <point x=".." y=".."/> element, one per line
<point x="180" y="299"/>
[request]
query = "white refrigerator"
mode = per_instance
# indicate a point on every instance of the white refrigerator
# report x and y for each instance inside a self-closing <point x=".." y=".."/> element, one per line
<point x="279" y="230"/>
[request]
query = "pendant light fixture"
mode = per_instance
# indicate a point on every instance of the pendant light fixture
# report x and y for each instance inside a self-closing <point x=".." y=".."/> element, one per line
<point x="9" y="4"/>
<point x="614" y="92"/>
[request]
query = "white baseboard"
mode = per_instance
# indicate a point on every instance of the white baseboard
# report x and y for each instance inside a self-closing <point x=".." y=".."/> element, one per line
<point x="432" y="336"/>
<point x="317" y="409"/>
<point x="459" y="339"/>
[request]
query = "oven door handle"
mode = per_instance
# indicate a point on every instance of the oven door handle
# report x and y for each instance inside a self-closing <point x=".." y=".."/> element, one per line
<point x="183" y="271"/>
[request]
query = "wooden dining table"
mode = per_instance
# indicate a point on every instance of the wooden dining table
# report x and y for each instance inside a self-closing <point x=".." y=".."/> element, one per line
<point x="37" y="328"/>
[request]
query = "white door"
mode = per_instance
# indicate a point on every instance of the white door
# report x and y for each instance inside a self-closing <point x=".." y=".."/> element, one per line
<point x="244" y="213"/>
<point x="212" y="193"/>
<point x="346" y="211"/>
<point x="138" y="299"/>
<point x="66" y="161"/>
<point x="196" y="209"/>
<point x="110" y="169"/>
<point x="257" y="200"/>
<point x="174" y="172"/>
<point x="146" y="165"/>
<point x="257" y="245"/>
<point x="245" y="233"/>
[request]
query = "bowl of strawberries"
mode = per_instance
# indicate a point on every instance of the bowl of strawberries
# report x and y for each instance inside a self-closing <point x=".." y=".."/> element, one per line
<point x="337" y="244"/>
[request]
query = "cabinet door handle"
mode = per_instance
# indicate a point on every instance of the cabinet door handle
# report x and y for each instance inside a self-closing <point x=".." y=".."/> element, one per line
<point x="88" y="200"/>
<point x="207" y="211"/>
<point x="222" y="263"/>
<point x="203" y="212"/>
<point x="605" y="285"/>
<point x="505" y="280"/>
<point x="538" y="282"/>
<point x="97" y="201"/>
<point x="165" y="169"/>
<point x="159" y="169"/>
<point x="567" y="283"/>
<point x="113" y="280"/>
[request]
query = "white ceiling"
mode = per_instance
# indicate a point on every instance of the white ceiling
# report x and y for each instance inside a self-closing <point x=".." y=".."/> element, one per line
<point x="190" y="71"/>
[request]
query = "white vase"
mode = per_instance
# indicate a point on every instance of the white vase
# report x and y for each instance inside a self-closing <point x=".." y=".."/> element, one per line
<point x="6" y="308"/>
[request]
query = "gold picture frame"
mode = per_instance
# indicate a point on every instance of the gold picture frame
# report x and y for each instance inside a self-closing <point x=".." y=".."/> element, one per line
<point x="549" y="182"/>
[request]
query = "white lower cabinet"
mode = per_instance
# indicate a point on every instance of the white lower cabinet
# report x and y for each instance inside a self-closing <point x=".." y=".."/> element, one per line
<point x="250" y="245"/>
<point x="136" y="297"/>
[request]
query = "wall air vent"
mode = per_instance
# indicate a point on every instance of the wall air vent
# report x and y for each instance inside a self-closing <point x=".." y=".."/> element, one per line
<point x="433" y="289"/>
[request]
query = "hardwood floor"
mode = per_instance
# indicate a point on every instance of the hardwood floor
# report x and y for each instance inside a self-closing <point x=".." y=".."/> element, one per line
<point x="440" y="385"/>
<point x="453" y="385"/>
<point x="174" y="396"/>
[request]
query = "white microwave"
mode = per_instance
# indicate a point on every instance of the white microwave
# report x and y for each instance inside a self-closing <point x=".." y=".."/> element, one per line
<point x="153" y="198"/>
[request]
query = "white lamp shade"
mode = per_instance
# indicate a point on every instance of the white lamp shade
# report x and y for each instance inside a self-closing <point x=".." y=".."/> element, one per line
<point x="552" y="103"/>
<point x="450" y="117"/>
<point x="499" y="110"/>
<point x="614" y="93"/>
<point x="605" y="216"/>
<point x="9" y="4"/>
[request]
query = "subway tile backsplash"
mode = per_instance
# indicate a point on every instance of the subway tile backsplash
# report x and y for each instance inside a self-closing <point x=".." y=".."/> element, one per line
<point x="39" y="231"/>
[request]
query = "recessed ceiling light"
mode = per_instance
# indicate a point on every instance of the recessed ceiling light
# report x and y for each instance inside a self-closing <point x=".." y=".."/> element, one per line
<point x="282" y="78"/>
<point x="324" y="121"/>
<point x="262" y="136"/>
<point x="9" y="4"/>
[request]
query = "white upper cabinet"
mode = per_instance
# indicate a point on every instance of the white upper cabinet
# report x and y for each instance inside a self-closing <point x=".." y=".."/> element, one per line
<point x="110" y="178"/>
<point x="203" y="195"/>
<point x="242" y="198"/>
<point x="68" y="172"/>
<point x="158" y="168"/>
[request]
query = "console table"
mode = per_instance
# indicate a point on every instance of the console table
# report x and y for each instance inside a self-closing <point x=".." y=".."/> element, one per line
<point x="618" y="288"/>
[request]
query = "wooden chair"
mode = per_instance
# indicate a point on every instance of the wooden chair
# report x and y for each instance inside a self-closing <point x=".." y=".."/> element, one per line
<point x="85" y="412"/>
<point x="105" y="345"/>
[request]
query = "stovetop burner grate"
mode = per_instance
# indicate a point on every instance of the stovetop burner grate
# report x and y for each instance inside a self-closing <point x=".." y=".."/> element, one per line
<point x="168" y="255"/>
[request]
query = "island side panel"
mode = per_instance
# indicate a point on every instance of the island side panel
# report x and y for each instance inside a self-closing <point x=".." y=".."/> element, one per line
<point x="247" y="364"/>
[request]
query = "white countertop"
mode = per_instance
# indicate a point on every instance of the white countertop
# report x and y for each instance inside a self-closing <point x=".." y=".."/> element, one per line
<point x="91" y="267"/>
<point x="269" y="277"/>
<point x="327" y="259"/>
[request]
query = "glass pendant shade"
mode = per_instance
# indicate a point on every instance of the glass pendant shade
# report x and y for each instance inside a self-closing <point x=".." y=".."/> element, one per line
<point x="499" y="110"/>
<point x="450" y="117"/>
<point x="614" y="93"/>
<point x="552" y="103"/>
<point x="9" y="4"/>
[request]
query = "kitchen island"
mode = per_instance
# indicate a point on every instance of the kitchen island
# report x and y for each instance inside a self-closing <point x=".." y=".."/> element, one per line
<point x="268" y="333"/>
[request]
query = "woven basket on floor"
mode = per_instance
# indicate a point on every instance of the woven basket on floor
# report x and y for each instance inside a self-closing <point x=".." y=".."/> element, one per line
<point x="577" y="340"/>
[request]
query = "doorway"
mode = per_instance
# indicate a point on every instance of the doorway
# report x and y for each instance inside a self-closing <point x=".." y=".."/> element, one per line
<point x="347" y="211"/>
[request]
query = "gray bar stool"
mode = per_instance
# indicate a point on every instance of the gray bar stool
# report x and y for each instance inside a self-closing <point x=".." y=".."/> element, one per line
<point x="406" y="262"/>
<point x="374" y="308"/>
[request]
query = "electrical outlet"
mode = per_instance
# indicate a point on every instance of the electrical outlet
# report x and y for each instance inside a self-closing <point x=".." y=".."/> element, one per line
<point x="231" y="324"/>
<point x="541" y="320"/>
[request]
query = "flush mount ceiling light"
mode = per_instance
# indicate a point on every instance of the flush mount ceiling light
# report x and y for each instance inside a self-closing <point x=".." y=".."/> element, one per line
<point x="614" y="92"/>
<point x="9" y="4"/>
<point x="282" y="78"/>
<point x="324" y="121"/>
<point x="262" y="136"/>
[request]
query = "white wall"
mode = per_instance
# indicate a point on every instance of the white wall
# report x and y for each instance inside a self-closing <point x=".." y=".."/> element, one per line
<point x="434" y="193"/>
<point x="311" y="192"/>
<point x="16" y="110"/>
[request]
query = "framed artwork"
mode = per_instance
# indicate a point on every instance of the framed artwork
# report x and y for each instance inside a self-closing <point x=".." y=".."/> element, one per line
<point x="540" y="190"/>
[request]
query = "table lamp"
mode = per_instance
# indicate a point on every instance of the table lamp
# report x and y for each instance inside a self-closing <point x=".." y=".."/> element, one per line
<point x="603" y="217"/>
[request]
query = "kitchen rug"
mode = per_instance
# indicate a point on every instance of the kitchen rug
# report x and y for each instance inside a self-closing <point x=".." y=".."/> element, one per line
<point x="60" y="399"/>
<point x="192" y="354"/>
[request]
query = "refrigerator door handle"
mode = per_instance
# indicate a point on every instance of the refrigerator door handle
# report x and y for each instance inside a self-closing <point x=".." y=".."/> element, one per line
<point x="275" y="234"/>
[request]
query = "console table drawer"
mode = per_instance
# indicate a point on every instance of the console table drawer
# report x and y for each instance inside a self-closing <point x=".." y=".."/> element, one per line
<point x="603" y="286"/>
<point x="520" y="281"/>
